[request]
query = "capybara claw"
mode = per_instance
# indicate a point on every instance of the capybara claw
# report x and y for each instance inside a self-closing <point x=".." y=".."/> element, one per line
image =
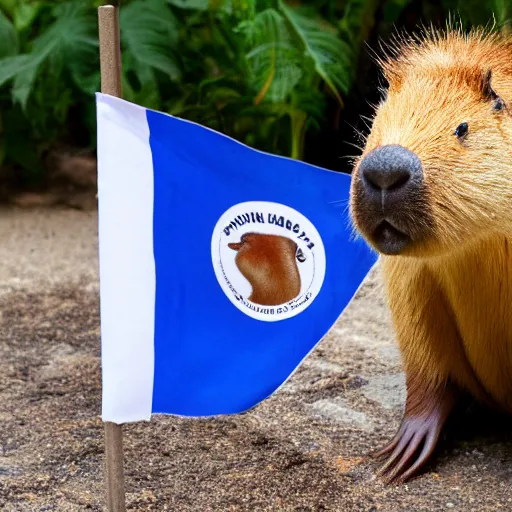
<point x="383" y="451"/>
<point x="410" y="450"/>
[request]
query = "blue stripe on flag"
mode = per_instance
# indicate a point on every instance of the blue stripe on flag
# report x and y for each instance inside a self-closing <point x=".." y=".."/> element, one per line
<point x="216" y="351"/>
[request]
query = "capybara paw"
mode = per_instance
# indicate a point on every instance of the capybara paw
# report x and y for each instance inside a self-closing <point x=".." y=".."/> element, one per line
<point x="410" y="449"/>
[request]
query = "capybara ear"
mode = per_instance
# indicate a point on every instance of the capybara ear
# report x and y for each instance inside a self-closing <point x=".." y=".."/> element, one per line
<point x="487" y="89"/>
<point x="301" y="257"/>
<point x="235" y="246"/>
<point x="490" y="94"/>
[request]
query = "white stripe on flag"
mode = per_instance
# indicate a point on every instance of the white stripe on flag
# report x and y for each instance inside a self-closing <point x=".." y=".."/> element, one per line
<point x="127" y="267"/>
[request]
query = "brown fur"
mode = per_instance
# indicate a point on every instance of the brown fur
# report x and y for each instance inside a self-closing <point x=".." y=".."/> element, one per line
<point x="451" y="293"/>
<point x="269" y="263"/>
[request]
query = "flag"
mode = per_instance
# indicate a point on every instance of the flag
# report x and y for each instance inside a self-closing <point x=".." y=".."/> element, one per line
<point x="221" y="267"/>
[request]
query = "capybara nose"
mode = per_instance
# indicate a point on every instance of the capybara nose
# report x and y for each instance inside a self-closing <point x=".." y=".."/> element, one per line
<point x="384" y="178"/>
<point x="390" y="168"/>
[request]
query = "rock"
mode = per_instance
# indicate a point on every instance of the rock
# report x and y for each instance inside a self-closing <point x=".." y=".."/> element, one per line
<point x="387" y="390"/>
<point x="338" y="410"/>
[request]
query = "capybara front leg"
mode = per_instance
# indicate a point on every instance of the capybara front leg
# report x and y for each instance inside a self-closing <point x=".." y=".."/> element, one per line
<point x="426" y="411"/>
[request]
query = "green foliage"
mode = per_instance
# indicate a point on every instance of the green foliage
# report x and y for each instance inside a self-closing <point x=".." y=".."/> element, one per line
<point x="8" y="37"/>
<point x="149" y="32"/>
<point x="274" y="60"/>
<point x="478" y="12"/>
<point x="266" y="72"/>
<point x="47" y="71"/>
<point x="331" y="56"/>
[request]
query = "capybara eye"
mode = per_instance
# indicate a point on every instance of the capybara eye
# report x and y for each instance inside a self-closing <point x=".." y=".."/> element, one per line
<point x="461" y="130"/>
<point x="499" y="104"/>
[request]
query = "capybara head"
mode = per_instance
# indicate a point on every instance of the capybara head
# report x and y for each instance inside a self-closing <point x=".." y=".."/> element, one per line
<point x="269" y="263"/>
<point x="436" y="170"/>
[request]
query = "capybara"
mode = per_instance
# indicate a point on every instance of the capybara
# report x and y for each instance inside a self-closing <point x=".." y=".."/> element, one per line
<point x="432" y="193"/>
<point x="269" y="263"/>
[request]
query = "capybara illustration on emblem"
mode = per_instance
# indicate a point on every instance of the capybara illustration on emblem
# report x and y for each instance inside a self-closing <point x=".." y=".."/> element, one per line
<point x="269" y="263"/>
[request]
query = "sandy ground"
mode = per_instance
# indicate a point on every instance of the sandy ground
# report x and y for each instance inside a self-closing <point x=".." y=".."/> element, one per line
<point x="304" y="449"/>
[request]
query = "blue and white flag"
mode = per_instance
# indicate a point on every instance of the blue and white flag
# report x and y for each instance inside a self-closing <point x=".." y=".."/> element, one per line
<point x="221" y="267"/>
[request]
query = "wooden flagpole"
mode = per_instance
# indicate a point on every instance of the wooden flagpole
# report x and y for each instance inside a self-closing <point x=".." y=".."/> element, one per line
<point x="110" y="65"/>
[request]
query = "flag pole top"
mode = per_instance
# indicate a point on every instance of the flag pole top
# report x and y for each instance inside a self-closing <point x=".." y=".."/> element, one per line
<point x="110" y="50"/>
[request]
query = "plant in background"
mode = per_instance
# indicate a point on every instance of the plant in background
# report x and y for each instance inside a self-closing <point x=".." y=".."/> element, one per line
<point x="264" y="69"/>
<point x="48" y="54"/>
<point x="265" y="72"/>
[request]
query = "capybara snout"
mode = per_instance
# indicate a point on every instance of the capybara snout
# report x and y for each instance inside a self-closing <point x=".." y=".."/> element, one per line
<point x="301" y="257"/>
<point x="389" y="188"/>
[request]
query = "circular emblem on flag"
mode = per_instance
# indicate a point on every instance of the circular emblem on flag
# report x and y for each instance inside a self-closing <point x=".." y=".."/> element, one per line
<point x="269" y="259"/>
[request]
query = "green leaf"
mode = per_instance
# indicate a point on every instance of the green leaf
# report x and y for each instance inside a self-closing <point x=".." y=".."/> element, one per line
<point x="9" y="44"/>
<point x="274" y="61"/>
<point x="332" y="57"/>
<point x="311" y="101"/>
<point x="25" y="13"/>
<point x="74" y="31"/>
<point x="22" y="86"/>
<point x="8" y="6"/>
<point x="85" y="71"/>
<point x="298" y="121"/>
<point x="200" y="5"/>
<point x="68" y="39"/>
<point x="149" y="32"/>
<point x="11" y="66"/>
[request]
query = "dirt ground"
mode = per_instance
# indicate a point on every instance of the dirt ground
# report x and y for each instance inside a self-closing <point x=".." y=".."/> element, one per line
<point x="304" y="449"/>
